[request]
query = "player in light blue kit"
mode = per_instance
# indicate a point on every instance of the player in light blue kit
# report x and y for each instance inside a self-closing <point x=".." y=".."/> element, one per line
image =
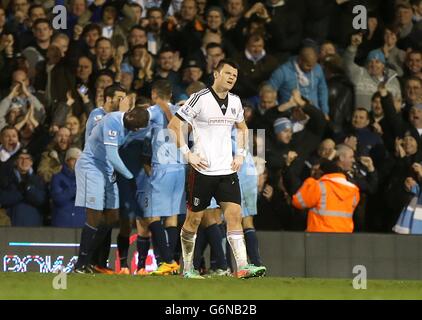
<point x="164" y="196"/>
<point x="136" y="154"/>
<point x="96" y="189"/>
<point x="115" y="100"/>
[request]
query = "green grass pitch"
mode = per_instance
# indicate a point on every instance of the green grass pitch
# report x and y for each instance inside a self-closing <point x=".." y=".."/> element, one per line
<point x="39" y="286"/>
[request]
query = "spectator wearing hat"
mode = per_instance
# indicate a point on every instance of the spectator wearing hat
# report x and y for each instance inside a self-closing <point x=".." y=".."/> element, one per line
<point x="295" y="140"/>
<point x="305" y="74"/>
<point x="255" y="66"/>
<point x="367" y="79"/>
<point x="63" y="193"/>
<point x="22" y="192"/>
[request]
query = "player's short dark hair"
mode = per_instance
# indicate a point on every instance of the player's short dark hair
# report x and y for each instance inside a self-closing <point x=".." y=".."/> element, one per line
<point x="136" y="118"/>
<point x="41" y="20"/>
<point x="230" y="62"/>
<point x="415" y="2"/>
<point x="162" y="88"/>
<point x="110" y="91"/>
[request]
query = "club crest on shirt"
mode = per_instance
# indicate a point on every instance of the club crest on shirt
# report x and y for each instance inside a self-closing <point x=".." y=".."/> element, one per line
<point x="196" y="201"/>
<point x="112" y="134"/>
<point x="234" y="110"/>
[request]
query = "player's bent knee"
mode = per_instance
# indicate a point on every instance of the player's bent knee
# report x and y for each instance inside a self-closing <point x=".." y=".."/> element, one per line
<point x="194" y="219"/>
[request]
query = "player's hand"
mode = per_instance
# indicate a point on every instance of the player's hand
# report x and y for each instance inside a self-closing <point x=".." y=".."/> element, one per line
<point x="196" y="161"/>
<point x="237" y="163"/>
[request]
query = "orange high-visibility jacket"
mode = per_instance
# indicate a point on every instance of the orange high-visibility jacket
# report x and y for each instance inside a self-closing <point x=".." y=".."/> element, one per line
<point x="331" y="201"/>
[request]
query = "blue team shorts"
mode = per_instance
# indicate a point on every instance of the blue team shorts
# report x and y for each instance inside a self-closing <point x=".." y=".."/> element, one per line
<point x="249" y="191"/>
<point x="95" y="189"/>
<point x="164" y="194"/>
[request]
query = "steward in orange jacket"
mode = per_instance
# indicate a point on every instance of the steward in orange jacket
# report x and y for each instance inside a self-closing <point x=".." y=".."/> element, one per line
<point x="331" y="201"/>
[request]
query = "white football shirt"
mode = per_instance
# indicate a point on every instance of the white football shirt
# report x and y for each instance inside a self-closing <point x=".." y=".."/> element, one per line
<point x="212" y="120"/>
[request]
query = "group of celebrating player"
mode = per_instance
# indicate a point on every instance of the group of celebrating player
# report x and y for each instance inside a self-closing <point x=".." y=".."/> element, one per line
<point x="134" y="166"/>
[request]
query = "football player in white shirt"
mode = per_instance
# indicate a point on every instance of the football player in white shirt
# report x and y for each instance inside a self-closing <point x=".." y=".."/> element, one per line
<point x="212" y="113"/>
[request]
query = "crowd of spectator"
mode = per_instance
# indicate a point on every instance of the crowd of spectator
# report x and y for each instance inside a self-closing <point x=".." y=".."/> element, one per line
<point x="305" y="76"/>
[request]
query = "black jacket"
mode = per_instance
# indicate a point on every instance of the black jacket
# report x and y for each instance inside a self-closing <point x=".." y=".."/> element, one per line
<point x="341" y="101"/>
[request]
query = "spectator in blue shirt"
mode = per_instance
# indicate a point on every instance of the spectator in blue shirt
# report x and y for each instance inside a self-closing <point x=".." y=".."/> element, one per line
<point x="305" y="74"/>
